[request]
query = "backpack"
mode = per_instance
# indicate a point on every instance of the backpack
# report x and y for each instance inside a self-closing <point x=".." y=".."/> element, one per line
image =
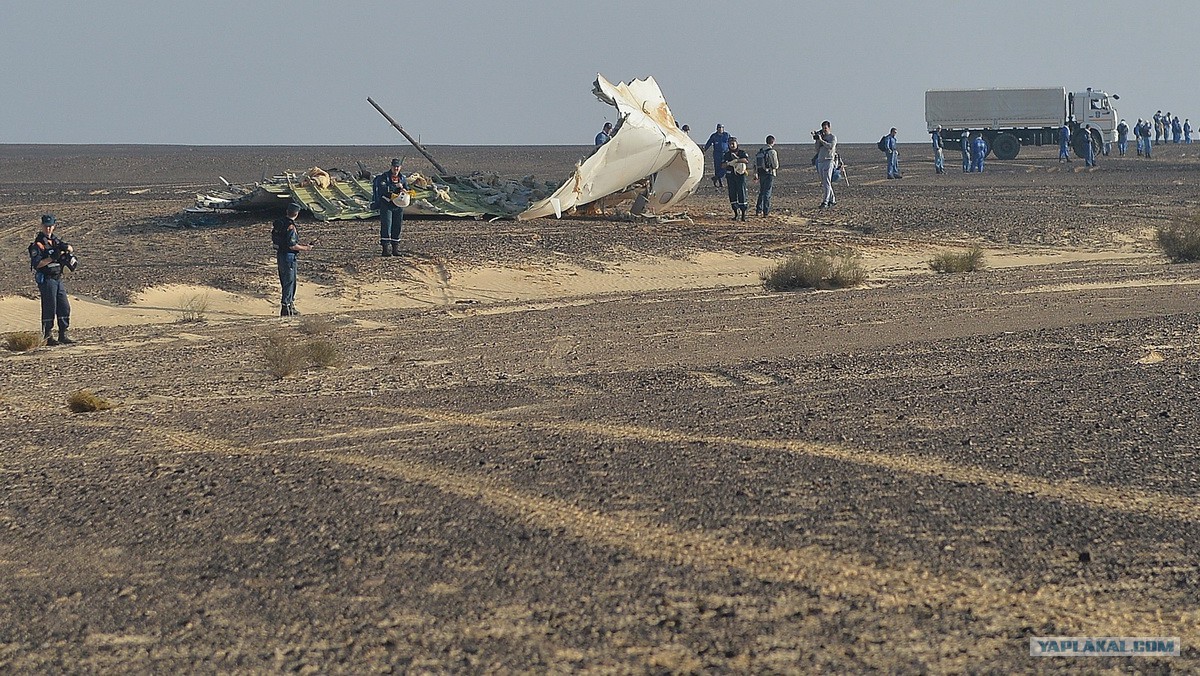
<point x="762" y="161"/>
<point x="882" y="145"/>
<point x="279" y="233"/>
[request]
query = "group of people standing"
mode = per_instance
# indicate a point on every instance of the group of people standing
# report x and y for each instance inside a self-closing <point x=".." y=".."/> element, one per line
<point x="732" y="168"/>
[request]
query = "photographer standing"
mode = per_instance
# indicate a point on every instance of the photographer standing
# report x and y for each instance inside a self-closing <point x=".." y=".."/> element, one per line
<point x="826" y="149"/>
<point x="48" y="256"/>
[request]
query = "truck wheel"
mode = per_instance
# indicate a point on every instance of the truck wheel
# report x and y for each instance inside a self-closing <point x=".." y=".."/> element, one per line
<point x="1006" y="147"/>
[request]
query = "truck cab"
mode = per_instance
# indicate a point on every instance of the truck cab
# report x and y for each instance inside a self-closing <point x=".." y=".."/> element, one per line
<point x="1095" y="108"/>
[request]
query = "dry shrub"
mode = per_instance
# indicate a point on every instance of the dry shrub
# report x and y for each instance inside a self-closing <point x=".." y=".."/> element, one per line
<point x="323" y="353"/>
<point x="958" y="261"/>
<point x="194" y="308"/>
<point x="282" y="357"/>
<point x="1180" y="239"/>
<point x="22" y="341"/>
<point x="315" y="325"/>
<point x="84" y="401"/>
<point x="832" y="269"/>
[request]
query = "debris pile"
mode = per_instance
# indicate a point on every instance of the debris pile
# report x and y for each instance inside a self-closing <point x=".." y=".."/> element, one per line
<point x="339" y="195"/>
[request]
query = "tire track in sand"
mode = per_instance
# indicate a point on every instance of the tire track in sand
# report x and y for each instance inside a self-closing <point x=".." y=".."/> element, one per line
<point x="1001" y="611"/>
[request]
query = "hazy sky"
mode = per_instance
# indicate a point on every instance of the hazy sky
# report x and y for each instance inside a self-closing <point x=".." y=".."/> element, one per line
<point x="520" y="71"/>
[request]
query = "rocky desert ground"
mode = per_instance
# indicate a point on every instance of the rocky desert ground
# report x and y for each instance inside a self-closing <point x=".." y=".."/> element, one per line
<point x="600" y="445"/>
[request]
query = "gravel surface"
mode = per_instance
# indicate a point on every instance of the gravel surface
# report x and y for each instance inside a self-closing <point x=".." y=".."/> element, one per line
<point x="914" y="476"/>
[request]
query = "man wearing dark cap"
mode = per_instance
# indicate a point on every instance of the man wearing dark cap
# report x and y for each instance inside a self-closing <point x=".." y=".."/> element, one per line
<point x="605" y="134"/>
<point x="384" y="190"/>
<point x="719" y="142"/>
<point x="48" y="257"/>
<point x="286" y="240"/>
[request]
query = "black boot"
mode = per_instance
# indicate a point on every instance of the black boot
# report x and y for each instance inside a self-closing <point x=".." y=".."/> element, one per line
<point x="292" y="311"/>
<point x="395" y="248"/>
<point x="47" y="327"/>
<point x="63" y="339"/>
<point x="283" y="311"/>
<point x="386" y="250"/>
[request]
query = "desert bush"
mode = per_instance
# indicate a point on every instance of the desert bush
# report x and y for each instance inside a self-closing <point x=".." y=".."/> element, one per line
<point x="285" y="357"/>
<point x="84" y="401"/>
<point x="322" y="353"/>
<point x="193" y="308"/>
<point x="958" y="261"/>
<point x="1180" y="239"/>
<point x="314" y="325"/>
<point x="22" y="341"/>
<point x="832" y="269"/>
<point x="282" y="357"/>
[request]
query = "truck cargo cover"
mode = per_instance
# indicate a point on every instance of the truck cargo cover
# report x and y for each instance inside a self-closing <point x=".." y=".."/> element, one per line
<point x="995" y="108"/>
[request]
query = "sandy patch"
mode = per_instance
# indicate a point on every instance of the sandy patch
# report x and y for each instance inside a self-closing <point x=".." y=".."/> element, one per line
<point x="432" y="286"/>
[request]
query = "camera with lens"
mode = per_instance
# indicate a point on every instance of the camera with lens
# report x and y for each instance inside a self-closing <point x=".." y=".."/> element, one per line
<point x="816" y="134"/>
<point x="65" y="258"/>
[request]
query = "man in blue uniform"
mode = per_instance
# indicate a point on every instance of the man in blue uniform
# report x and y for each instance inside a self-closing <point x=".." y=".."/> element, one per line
<point x="391" y="215"/>
<point x="605" y="134"/>
<point x="48" y="257"/>
<point x="1089" y="148"/>
<point x="719" y="142"/>
<point x="738" y="163"/>
<point x="1064" y="143"/>
<point x="286" y="240"/>
<point x="979" y="150"/>
<point x="1176" y="129"/>
<point x="1122" y="138"/>
<point x="939" y="158"/>
<point x="893" y="155"/>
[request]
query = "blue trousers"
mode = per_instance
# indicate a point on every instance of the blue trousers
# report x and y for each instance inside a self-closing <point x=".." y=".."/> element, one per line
<point x="966" y="161"/>
<point x="54" y="302"/>
<point x="977" y="162"/>
<point x="287" y="279"/>
<point x="391" y="222"/>
<point x="766" y="182"/>
<point x="736" y="185"/>
<point x="893" y="164"/>
<point x="1063" y="153"/>
<point x="1122" y="146"/>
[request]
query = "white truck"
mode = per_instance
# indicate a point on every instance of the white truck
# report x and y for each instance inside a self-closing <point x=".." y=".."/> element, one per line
<point x="1011" y="118"/>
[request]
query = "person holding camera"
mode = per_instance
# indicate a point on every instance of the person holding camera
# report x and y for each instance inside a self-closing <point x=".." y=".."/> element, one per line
<point x="826" y="151"/>
<point x="48" y="257"/>
<point x="286" y="240"/>
<point x="387" y="197"/>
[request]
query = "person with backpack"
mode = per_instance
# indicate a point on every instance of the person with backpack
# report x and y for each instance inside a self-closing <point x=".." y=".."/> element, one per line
<point x="766" y="167"/>
<point x="888" y="145"/>
<point x="286" y="241"/>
